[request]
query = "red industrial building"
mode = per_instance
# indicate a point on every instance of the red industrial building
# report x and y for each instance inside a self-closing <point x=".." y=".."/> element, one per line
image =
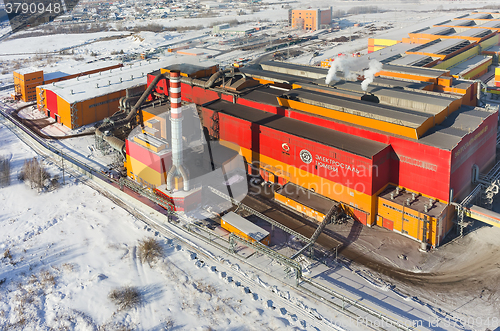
<point x="395" y="155"/>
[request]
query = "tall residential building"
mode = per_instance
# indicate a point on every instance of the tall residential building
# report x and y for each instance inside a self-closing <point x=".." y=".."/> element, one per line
<point x="310" y="19"/>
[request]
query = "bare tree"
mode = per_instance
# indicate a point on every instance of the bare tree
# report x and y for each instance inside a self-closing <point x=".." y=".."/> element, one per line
<point x="34" y="173"/>
<point x="4" y="172"/>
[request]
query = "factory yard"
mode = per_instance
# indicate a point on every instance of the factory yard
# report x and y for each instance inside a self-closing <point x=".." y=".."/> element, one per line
<point x="78" y="245"/>
<point x="312" y="178"/>
<point x="63" y="251"/>
<point x="461" y="277"/>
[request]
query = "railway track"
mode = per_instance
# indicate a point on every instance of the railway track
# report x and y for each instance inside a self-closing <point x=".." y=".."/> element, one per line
<point x="160" y="227"/>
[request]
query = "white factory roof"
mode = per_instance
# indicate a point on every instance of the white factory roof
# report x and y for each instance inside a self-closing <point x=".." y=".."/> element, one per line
<point x="24" y="71"/>
<point x="438" y="31"/>
<point x="398" y="34"/>
<point x="61" y="71"/>
<point x="245" y="226"/>
<point x="385" y="55"/>
<point x="65" y="70"/>
<point x="459" y="22"/>
<point x="490" y="24"/>
<point x="469" y="65"/>
<point x="110" y="81"/>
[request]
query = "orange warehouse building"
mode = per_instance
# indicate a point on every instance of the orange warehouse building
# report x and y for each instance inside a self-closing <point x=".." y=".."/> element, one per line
<point x="27" y="79"/>
<point x="91" y="98"/>
<point x="25" y="82"/>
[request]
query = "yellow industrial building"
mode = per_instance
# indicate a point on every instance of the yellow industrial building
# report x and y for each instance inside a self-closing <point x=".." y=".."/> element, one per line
<point x="27" y="79"/>
<point x="91" y="98"/>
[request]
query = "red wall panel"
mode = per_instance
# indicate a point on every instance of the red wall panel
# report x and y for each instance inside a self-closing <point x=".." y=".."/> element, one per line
<point x="419" y="167"/>
<point x="360" y="216"/>
<point x="477" y="148"/>
<point x="328" y="162"/>
<point x="237" y="131"/>
<point x="197" y="94"/>
<point x="147" y="157"/>
<point x="51" y="102"/>
<point x="261" y="106"/>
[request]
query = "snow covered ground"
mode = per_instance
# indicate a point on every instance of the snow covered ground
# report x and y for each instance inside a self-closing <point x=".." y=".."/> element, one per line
<point x="62" y="252"/>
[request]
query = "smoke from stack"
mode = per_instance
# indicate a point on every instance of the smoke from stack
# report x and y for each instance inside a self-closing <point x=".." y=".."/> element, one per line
<point x="343" y="64"/>
<point x="373" y="67"/>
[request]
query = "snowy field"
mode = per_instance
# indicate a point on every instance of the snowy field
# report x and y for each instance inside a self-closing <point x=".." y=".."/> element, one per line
<point x="63" y="251"/>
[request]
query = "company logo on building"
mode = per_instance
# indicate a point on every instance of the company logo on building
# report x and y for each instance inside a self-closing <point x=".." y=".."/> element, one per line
<point x="306" y="156"/>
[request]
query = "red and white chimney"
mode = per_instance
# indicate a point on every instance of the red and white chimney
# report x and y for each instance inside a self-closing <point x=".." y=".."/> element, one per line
<point x="177" y="175"/>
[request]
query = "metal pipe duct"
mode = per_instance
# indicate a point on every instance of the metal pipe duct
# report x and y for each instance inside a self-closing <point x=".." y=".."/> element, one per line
<point x="170" y="176"/>
<point x="131" y="116"/>
<point x="115" y="143"/>
<point x="210" y="82"/>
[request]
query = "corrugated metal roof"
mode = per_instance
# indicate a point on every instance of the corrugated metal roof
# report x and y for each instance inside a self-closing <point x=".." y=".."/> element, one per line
<point x="426" y="72"/>
<point x="384" y="55"/>
<point x="343" y="141"/>
<point x="109" y="81"/>
<point x="438" y="31"/>
<point x="398" y="34"/>
<point x="466" y="66"/>
<point x="418" y="101"/>
<point x="253" y="231"/>
<point x="295" y="69"/>
<point x="457" y="125"/>
<point x="407" y="85"/>
<point x="411" y="59"/>
<point x="490" y="24"/>
<point x="460" y="23"/>
<point x="478" y="16"/>
<point x="478" y="33"/>
<point x="60" y="70"/>
<point x="264" y="94"/>
<point x="443" y="46"/>
<point x="274" y="76"/>
<point x="386" y="113"/>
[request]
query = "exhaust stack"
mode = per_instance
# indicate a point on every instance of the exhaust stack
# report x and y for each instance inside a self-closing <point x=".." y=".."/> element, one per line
<point x="177" y="177"/>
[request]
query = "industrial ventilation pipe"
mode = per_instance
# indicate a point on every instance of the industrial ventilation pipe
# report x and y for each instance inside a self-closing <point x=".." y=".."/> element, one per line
<point x="136" y="110"/>
<point x="177" y="170"/>
<point x="114" y="142"/>
<point x="211" y="81"/>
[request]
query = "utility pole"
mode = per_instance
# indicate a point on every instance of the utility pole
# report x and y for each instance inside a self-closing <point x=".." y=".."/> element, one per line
<point x="62" y="161"/>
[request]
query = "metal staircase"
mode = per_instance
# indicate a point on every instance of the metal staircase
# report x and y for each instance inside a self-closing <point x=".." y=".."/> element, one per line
<point x="329" y="217"/>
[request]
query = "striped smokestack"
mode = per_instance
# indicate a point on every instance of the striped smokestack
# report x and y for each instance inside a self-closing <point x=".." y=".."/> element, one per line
<point x="177" y="174"/>
<point x="175" y="94"/>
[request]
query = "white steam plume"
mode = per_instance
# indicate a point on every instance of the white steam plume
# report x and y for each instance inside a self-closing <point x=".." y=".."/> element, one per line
<point x="344" y="64"/>
<point x="373" y="67"/>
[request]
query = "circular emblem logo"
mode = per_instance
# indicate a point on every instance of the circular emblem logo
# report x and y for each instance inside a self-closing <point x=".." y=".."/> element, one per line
<point x="285" y="147"/>
<point x="306" y="156"/>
